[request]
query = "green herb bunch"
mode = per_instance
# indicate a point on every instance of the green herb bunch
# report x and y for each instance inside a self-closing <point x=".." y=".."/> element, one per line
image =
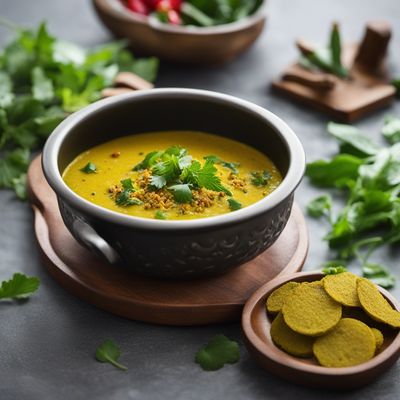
<point x="216" y="12"/>
<point x="177" y="171"/>
<point x="327" y="58"/>
<point x="368" y="176"/>
<point x="42" y="80"/>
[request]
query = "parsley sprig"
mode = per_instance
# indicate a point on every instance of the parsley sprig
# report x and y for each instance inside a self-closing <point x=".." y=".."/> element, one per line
<point x="42" y="80"/>
<point x="176" y="170"/>
<point x="19" y="286"/>
<point x="368" y="177"/>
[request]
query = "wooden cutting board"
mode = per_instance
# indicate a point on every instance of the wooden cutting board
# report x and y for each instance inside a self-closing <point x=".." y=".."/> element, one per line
<point x="119" y="291"/>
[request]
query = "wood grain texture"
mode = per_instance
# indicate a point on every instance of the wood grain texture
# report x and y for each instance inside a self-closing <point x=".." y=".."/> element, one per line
<point x="350" y="99"/>
<point x="256" y="325"/>
<point x="121" y="292"/>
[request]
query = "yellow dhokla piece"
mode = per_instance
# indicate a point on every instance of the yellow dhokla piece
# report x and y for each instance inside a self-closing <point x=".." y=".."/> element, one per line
<point x="349" y="343"/>
<point x="342" y="288"/>
<point x="277" y="297"/>
<point x="309" y="310"/>
<point x="375" y="305"/>
<point x="378" y="338"/>
<point x="290" y="341"/>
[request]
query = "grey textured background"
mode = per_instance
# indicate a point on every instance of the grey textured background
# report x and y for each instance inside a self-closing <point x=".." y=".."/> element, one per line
<point x="47" y="344"/>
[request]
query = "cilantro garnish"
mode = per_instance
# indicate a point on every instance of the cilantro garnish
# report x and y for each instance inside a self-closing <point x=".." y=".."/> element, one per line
<point x="367" y="177"/>
<point x="332" y="268"/>
<point x="233" y="166"/>
<point x="108" y="352"/>
<point x="260" y="178"/>
<point x="176" y="170"/>
<point x="19" y="286"/>
<point x="124" y="198"/>
<point x="218" y="352"/>
<point x="89" y="168"/>
<point x="234" y="204"/>
<point x="42" y="80"/>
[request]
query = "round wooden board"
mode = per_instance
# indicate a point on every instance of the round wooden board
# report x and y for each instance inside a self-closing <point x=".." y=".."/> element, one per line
<point x="117" y="290"/>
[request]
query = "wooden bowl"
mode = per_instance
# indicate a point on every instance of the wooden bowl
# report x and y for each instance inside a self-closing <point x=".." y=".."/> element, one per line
<point x="205" y="45"/>
<point x="256" y="326"/>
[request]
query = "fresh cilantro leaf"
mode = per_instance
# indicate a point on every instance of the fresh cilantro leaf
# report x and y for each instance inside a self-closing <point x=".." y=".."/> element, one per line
<point x="13" y="166"/>
<point x="160" y="215"/>
<point x="234" y="204"/>
<point x="6" y="93"/>
<point x="260" y="178"/>
<point x="391" y="129"/>
<point x="218" y="352"/>
<point x="149" y="160"/>
<point x="328" y="173"/>
<point x="127" y="184"/>
<point x="205" y="176"/>
<point x="168" y="168"/>
<point x="158" y="181"/>
<point x="233" y="166"/>
<point x="379" y="275"/>
<point x="352" y="141"/>
<point x="109" y="352"/>
<point x="19" y="186"/>
<point x="19" y="286"/>
<point x="42" y="88"/>
<point x="320" y="206"/>
<point x="182" y="193"/>
<point x="89" y="168"/>
<point x="124" y="199"/>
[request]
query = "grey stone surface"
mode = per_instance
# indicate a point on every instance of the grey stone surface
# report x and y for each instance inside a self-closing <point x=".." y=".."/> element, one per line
<point x="47" y="344"/>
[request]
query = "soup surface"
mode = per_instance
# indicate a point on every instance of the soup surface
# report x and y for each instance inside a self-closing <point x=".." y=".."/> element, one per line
<point x="172" y="175"/>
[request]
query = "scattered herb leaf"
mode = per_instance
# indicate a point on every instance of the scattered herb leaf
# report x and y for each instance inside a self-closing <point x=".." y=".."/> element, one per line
<point x="379" y="275"/>
<point x="218" y="352"/>
<point x="260" y="178"/>
<point x="234" y="205"/>
<point x="391" y="129"/>
<point x="320" y="206"/>
<point x="233" y="166"/>
<point x="89" y="168"/>
<point x="19" y="286"/>
<point x="182" y="193"/>
<point x="160" y="215"/>
<point x="332" y="268"/>
<point x="109" y="352"/>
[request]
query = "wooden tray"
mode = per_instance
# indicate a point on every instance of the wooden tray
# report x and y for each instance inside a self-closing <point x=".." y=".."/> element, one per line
<point x="121" y="292"/>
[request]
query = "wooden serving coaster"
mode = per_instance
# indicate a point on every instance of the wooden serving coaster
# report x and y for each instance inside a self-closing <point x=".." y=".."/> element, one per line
<point x="118" y="290"/>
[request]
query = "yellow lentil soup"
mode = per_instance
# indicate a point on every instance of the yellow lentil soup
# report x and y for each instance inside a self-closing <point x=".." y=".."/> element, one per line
<point x="172" y="175"/>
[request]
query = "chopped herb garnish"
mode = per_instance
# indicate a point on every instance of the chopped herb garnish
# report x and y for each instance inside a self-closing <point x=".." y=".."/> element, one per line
<point x="108" y="352"/>
<point x="124" y="198"/>
<point x="89" y="168"/>
<point x="19" y="286"/>
<point x="233" y="166"/>
<point x="176" y="170"/>
<point x="218" y="352"/>
<point x="182" y="193"/>
<point x="332" y="268"/>
<point x="160" y="215"/>
<point x="260" y="178"/>
<point x="234" y="205"/>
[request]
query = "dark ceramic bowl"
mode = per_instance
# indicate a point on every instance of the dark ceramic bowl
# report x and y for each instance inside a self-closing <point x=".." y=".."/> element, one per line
<point x="205" y="45"/>
<point x="176" y="249"/>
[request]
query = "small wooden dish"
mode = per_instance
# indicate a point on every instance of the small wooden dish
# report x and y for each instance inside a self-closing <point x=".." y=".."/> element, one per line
<point x="256" y="326"/>
<point x="189" y="44"/>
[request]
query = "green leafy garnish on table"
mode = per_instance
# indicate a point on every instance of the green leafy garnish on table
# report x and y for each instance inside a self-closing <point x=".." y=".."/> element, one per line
<point x="42" y="80"/>
<point x="379" y="275"/>
<point x="218" y="352"/>
<point x="368" y="177"/>
<point x="328" y="59"/>
<point x="89" y="168"/>
<point x="19" y="286"/>
<point x="108" y="352"/>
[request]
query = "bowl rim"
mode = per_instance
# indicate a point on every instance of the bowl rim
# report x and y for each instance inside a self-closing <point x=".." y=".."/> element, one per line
<point x="120" y="12"/>
<point x="289" y="183"/>
<point x="294" y="363"/>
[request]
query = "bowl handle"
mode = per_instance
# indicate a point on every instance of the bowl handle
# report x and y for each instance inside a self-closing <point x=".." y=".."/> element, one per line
<point x="86" y="234"/>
